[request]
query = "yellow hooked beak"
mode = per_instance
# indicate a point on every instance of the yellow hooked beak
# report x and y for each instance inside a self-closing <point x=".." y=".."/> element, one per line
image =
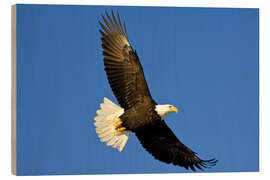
<point x="174" y="109"/>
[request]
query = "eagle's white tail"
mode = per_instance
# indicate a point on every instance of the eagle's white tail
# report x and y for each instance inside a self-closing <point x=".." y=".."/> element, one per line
<point x="105" y="120"/>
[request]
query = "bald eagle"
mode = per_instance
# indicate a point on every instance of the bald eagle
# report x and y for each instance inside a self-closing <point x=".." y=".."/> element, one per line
<point x="138" y="113"/>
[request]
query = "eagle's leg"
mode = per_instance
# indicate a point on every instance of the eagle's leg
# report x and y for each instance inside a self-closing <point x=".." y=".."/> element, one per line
<point x="118" y="124"/>
<point x="121" y="129"/>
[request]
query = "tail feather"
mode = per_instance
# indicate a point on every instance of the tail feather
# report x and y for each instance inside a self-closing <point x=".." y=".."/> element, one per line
<point x="112" y="141"/>
<point x="104" y="122"/>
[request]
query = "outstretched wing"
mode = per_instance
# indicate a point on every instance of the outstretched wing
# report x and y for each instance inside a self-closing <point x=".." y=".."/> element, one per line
<point x="161" y="142"/>
<point x="122" y="65"/>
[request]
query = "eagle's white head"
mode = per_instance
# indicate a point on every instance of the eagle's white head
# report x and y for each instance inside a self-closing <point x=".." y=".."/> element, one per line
<point x="163" y="110"/>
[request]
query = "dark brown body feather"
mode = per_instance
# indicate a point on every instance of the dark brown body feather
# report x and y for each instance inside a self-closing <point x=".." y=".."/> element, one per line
<point x="126" y="78"/>
<point x="139" y="115"/>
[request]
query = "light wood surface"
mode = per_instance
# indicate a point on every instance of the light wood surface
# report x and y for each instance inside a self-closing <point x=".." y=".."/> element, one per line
<point x="13" y="91"/>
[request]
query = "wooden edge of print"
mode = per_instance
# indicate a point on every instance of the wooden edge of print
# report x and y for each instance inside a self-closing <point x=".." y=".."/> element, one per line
<point x="13" y="92"/>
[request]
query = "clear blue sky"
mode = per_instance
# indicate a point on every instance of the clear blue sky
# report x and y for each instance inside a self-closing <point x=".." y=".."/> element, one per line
<point x="205" y="61"/>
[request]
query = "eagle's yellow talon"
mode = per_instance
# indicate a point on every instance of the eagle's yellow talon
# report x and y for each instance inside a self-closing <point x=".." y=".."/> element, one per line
<point x="121" y="129"/>
<point x="118" y="124"/>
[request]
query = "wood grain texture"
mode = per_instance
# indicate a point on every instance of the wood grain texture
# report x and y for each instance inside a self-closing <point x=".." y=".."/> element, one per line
<point x="13" y="91"/>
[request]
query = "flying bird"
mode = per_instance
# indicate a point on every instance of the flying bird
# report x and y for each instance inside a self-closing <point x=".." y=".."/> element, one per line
<point x="138" y="112"/>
